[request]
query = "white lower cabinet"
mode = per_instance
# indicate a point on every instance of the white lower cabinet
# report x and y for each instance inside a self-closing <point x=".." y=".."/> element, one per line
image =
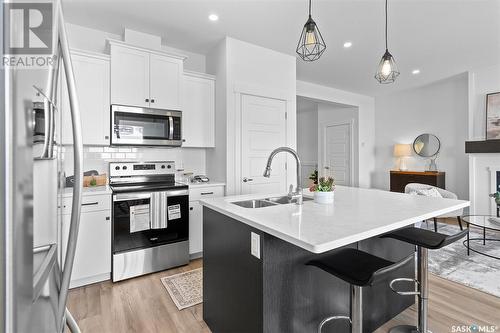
<point x="93" y="249"/>
<point x="195" y="227"/>
<point x="196" y="215"/>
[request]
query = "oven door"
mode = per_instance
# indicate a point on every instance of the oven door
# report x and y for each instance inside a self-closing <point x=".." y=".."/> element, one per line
<point x="147" y="219"/>
<point x="142" y="126"/>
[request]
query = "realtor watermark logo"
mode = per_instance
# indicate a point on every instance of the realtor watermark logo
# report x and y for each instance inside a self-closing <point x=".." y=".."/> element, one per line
<point x="28" y="34"/>
<point x="474" y="329"/>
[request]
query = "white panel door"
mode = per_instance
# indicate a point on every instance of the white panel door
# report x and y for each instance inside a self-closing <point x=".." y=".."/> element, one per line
<point x="92" y="84"/>
<point x="129" y="76"/>
<point x="337" y="153"/>
<point x="165" y="80"/>
<point x="198" y="111"/>
<point x="263" y="129"/>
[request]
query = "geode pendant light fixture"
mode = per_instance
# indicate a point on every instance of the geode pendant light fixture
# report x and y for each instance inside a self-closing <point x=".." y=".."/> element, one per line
<point x="311" y="44"/>
<point x="387" y="71"/>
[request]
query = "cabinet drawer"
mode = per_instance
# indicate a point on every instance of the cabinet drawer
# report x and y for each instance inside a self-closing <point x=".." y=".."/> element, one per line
<point x="205" y="192"/>
<point x="90" y="203"/>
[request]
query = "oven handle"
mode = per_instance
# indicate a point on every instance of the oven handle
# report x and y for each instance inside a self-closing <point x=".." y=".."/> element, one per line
<point x="131" y="196"/>
<point x="147" y="195"/>
<point x="171" y="123"/>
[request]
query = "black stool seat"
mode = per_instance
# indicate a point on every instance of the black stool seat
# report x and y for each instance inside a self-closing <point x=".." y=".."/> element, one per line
<point x="357" y="267"/>
<point x="424" y="238"/>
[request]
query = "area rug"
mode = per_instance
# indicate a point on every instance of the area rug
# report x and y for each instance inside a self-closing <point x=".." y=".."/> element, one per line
<point x="186" y="288"/>
<point x="475" y="271"/>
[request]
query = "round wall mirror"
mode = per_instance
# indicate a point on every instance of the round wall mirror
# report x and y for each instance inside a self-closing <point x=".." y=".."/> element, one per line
<point x="426" y="145"/>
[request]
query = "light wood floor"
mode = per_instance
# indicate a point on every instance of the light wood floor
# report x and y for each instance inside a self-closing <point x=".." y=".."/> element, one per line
<point x="142" y="305"/>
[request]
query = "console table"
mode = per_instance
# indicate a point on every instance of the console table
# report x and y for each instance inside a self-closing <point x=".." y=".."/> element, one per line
<point x="399" y="179"/>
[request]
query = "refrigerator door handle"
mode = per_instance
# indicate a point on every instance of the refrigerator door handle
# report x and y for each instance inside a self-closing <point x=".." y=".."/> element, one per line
<point x="78" y="170"/>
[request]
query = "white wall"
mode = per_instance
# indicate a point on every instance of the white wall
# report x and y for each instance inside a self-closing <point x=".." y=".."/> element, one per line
<point x="366" y="122"/>
<point x="253" y="70"/>
<point x="440" y="108"/>
<point x="329" y="114"/>
<point x="307" y="140"/>
<point x="88" y="39"/>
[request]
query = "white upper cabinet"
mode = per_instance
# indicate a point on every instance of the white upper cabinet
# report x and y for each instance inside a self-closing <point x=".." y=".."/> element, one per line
<point x="145" y="78"/>
<point x="198" y="110"/>
<point x="92" y="86"/>
<point x="165" y="82"/>
<point x="129" y="76"/>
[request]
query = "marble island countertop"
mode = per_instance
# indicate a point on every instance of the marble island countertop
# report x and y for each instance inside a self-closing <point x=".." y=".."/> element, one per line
<point x="356" y="214"/>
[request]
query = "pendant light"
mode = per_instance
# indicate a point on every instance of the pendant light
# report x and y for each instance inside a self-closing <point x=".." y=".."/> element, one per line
<point x="387" y="70"/>
<point x="311" y="44"/>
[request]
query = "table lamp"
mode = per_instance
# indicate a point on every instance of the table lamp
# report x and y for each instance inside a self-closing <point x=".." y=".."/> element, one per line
<point x="402" y="151"/>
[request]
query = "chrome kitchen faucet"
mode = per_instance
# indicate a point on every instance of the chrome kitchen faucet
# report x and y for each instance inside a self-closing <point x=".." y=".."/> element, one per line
<point x="292" y="195"/>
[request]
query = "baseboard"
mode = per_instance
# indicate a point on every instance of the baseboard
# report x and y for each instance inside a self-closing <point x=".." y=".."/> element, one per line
<point x="196" y="255"/>
<point x="89" y="280"/>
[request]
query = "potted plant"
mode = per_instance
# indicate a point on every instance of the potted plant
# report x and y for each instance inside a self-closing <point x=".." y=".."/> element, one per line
<point x="323" y="191"/>
<point x="496" y="195"/>
<point x="314" y="177"/>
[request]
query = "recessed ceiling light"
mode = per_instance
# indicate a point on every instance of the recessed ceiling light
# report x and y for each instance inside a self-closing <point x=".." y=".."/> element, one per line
<point x="415" y="71"/>
<point x="213" y="17"/>
<point x="347" y="45"/>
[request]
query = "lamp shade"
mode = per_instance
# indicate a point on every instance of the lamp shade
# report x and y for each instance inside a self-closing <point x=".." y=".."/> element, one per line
<point x="402" y="150"/>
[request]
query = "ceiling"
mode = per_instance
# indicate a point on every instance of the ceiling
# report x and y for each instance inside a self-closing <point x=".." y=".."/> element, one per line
<point x="440" y="37"/>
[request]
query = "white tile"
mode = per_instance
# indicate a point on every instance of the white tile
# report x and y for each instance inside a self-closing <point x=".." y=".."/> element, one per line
<point x="95" y="149"/>
<point x="118" y="155"/>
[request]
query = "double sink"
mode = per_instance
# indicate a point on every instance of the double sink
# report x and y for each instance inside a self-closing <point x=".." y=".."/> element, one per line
<point x="267" y="202"/>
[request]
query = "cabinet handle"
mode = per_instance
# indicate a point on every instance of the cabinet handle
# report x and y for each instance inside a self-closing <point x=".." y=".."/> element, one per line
<point x="106" y="137"/>
<point x="206" y="193"/>
<point x="147" y="100"/>
<point x="107" y="218"/>
<point x="247" y="179"/>
<point x="191" y="208"/>
<point x="90" y="203"/>
<point x="152" y="100"/>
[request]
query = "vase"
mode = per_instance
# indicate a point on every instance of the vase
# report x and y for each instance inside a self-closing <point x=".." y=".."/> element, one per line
<point x="324" y="197"/>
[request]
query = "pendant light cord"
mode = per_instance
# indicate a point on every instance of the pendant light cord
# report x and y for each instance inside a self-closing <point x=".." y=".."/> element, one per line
<point x="309" y="8"/>
<point x="385" y="25"/>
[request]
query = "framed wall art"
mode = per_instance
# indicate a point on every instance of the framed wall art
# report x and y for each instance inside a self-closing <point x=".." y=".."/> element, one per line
<point x="493" y="116"/>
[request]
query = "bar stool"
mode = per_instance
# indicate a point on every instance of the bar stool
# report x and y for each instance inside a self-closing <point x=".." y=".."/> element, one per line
<point x="359" y="269"/>
<point x="423" y="239"/>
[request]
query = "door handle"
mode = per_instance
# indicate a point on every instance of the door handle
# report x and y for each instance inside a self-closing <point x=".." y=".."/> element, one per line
<point x="247" y="180"/>
<point x="90" y="203"/>
<point x="171" y="128"/>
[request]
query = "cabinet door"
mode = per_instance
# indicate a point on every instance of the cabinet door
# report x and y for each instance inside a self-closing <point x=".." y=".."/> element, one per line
<point x="195" y="227"/>
<point x="93" y="248"/>
<point x="129" y="76"/>
<point x="92" y="84"/>
<point x="165" y="82"/>
<point x="198" y="106"/>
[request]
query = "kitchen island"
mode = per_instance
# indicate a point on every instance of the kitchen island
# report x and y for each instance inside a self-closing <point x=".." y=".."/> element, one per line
<point x="255" y="278"/>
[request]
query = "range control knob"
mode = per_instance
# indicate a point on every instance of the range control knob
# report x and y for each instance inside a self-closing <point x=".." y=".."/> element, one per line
<point x="163" y="167"/>
<point x="124" y="167"/>
<point x="169" y="166"/>
<point x="117" y="167"/>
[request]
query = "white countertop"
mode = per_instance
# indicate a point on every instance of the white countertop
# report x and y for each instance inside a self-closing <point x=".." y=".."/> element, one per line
<point x="356" y="214"/>
<point x="97" y="190"/>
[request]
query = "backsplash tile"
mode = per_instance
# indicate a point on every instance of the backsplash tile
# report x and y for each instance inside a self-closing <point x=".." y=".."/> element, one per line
<point x="98" y="158"/>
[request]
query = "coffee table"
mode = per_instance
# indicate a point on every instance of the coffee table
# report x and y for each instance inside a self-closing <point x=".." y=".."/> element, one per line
<point x="484" y="222"/>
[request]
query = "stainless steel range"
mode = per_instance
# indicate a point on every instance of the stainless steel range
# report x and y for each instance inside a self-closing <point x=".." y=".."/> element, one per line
<point x="150" y="218"/>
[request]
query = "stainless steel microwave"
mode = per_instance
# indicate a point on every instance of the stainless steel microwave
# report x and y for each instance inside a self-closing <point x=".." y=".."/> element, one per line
<point x="136" y="126"/>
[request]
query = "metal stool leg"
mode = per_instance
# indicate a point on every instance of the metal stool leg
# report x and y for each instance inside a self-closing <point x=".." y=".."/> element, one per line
<point x="356" y="309"/>
<point x="356" y="318"/>
<point x="423" y="296"/>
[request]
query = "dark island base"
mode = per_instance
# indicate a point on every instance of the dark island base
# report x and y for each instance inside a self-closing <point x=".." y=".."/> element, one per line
<point x="278" y="293"/>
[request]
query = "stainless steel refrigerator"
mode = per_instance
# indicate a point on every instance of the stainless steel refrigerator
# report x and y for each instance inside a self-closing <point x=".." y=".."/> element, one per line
<point x="33" y="281"/>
